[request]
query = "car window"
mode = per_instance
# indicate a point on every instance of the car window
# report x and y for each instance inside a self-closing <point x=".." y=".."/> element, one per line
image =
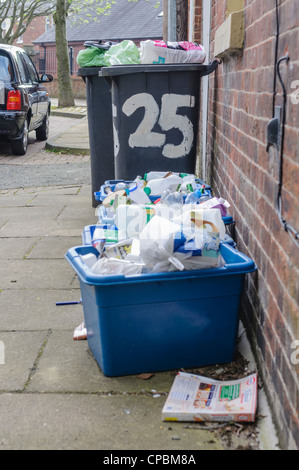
<point x="22" y="70"/>
<point x="5" y="69"/>
<point x="30" y="68"/>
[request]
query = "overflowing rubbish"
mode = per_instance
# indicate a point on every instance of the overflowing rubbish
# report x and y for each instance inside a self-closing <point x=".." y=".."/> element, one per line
<point x="153" y="186"/>
<point x="100" y="54"/>
<point x="197" y="398"/>
<point x="161" y="52"/>
<point x="105" y="54"/>
<point x="151" y="224"/>
<point x="160" y="282"/>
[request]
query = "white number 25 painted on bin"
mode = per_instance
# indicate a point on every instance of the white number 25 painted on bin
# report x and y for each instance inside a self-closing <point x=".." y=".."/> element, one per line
<point x="167" y="118"/>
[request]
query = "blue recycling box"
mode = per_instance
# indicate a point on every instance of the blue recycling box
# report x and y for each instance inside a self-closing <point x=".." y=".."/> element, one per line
<point x="162" y="321"/>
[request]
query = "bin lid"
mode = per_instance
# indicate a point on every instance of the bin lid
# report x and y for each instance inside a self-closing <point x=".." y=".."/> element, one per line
<point x="88" y="71"/>
<point x="148" y="68"/>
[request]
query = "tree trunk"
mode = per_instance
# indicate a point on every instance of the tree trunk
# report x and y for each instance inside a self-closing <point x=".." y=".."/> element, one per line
<point x="65" y="90"/>
<point x="182" y="20"/>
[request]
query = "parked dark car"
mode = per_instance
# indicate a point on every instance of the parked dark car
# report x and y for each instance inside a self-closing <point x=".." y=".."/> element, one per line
<point x="24" y="102"/>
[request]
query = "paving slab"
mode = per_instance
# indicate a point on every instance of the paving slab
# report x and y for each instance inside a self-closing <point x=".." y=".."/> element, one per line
<point x="57" y="199"/>
<point x="36" y="309"/>
<point x="16" y="248"/>
<point x="69" y="366"/>
<point x="73" y="140"/>
<point x="52" y="247"/>
<point x="12" y="200"/>
<point x="93" y="422"/>
<point x="21" y="349"/>
<point x="36" y="274"/>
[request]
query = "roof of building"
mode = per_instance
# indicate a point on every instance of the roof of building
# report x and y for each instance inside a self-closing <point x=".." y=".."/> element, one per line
<point x="126" y="19"/>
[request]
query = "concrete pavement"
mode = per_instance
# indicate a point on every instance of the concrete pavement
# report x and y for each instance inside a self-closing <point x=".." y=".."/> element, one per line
<point x="76" y="138"/>
<point x="52" y="393"/>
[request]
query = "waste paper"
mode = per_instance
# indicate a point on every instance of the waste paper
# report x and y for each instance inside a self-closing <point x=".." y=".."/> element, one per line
<point x="196" y="398"/>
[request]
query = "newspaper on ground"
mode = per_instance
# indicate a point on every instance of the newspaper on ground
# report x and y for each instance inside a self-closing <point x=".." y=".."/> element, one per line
<point x="197" y="398"/>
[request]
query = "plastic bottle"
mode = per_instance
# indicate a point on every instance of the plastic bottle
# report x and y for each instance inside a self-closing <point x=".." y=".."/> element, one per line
<point x="107" y="190"/>
<point x="157" y="186"/>
<point x="174" y="199"/>
<point x="217" y="203"/>
<point x="189" y="180"/>
<point x="141" y="182"/>
<point x="137" y="194"/>
<point x="120" y="186"/>
<point x="186" y="189"/>
<point x="197" y="196"/>
<point x="156" y="174"/>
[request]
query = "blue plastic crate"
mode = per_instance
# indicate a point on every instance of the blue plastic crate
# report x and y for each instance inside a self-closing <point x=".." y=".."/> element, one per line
<point x="100" y="196"/>
<point x="162" y="321"/>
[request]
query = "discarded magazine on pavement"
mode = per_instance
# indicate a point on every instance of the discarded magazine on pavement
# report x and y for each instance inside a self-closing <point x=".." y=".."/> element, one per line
<point x="197" y="398"/>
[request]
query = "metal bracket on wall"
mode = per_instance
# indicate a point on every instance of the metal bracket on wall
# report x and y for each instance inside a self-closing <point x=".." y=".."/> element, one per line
<point x="273" y="128"/>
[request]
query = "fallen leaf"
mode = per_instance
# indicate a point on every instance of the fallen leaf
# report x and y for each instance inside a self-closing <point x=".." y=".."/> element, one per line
<point x="145" y="376"/>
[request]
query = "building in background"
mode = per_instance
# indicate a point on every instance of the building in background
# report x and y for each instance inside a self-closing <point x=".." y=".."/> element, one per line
<point x="126" y="20"/>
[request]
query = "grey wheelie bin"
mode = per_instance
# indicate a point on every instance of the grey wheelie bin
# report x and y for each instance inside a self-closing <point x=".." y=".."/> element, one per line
<point x="155" y="112"/>
<point x="99" y="112"/>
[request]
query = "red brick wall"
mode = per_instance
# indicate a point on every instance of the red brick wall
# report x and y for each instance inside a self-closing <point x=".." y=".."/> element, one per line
<point x="79" y="87"/>
<point x="34" y="30"/>
<point x="244" y="173"/>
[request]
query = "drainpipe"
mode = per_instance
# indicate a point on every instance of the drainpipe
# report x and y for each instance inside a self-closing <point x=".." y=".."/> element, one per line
<point x="191" y="20"/>
<point x="206" y="29"/>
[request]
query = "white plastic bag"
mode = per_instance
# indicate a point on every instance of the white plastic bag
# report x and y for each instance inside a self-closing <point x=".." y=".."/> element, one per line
<point x="157" y="52"/>
<point x="115" y="266"/>
<point x="165" y="245"/>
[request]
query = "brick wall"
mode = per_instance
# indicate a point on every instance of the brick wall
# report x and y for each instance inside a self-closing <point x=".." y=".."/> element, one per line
<point x="242" y="171"/>
<point x="36" y="28"/>
<point x="79" y="87"/>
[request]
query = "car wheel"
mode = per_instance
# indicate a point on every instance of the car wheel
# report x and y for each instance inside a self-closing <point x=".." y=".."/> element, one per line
<point x="19" y="146"/>
<point x="42" y="132"/>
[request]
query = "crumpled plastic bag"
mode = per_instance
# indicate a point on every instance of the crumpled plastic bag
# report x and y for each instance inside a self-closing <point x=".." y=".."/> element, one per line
<point x="169" y="246"/>
<point x="157" y="243"/>
<point x="117" y="266"/>
<point x="123" y="53"/>
<point x="126" y="52"/>
<point x="91" y="57"/>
